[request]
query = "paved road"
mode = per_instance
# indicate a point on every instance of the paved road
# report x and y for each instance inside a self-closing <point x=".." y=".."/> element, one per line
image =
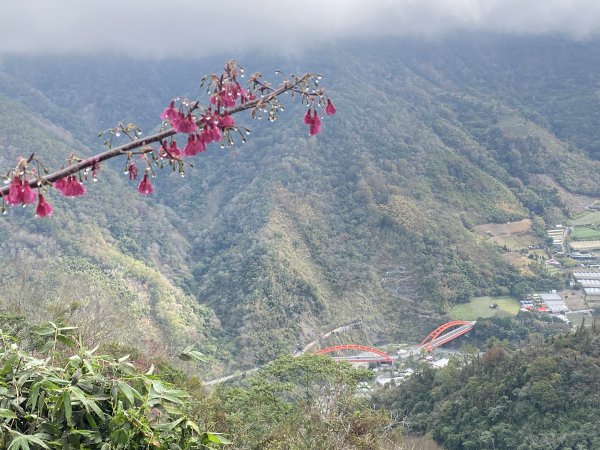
<point x="296" y="353"/>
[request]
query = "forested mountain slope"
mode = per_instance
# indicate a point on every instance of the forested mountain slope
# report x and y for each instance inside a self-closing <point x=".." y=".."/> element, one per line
<point x="288" y="236"/>
<point x="542" y="396"/>
<point x="95" y="262"/>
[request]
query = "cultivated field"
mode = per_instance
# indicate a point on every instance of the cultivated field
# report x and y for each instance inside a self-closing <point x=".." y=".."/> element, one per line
<point x="513" y="235"/>
<point x="574" y="299"/>
<point x="479" y="307"/>
<point x="499" y="229"/>
<point x="584" y="245"/>
<point x="584" y="233"/>
<point x="587" y="218"/>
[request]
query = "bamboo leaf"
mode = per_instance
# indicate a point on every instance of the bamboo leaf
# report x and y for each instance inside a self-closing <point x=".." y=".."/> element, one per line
<point x="7" y="414"/>
<point x="66" y="399"/>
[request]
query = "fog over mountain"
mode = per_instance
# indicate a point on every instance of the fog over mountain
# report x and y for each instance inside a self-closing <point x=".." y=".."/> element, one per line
<point x="186" y="28"/>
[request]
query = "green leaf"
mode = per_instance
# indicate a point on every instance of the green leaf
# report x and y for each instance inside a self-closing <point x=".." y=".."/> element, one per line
<point x="194" y="426"/>
<point x="34" y="393"/>
<point x="45" y="331"/>
<point x="172" y="410"/>
<point x="21" y="441"/>
<point x="214" y="438"/>
<point x="167" y="427"/>
<point x="130" y="393"/>
<point x="7" y="414"/>
<point x="37" y="440"/>
<point x="120" y="436"/>
<point x="171" y="398"/>
<point x="68" y="341"/>
<point x="189" y="354"/>
<point x="92" y="404"/>
<point x="66" y="400"/>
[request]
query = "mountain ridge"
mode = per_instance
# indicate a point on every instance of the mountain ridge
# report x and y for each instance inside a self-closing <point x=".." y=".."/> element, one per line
<point x="288" y="235"/>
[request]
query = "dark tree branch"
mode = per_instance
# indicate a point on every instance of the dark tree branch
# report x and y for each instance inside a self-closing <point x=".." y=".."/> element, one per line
<point x="157" y="137"/>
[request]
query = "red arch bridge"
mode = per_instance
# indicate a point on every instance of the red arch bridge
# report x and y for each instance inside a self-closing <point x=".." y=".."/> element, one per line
<point x="440" y="336"/>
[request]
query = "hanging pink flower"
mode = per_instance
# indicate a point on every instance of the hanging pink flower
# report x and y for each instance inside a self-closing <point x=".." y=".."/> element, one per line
<point x="316" y="120"/>
<point x="173" y="152"/>
<point x="60" y="185"/>
<point x="330" y="108"/>
<point x="43" y="209"/>
<point x="226" y="121"/>
<point x="307" y="117"/>
<point x="15" y="193"/>
<point x="29" y="195"/>
<point x="75" y="187"/>
<point x="315" y="124"/>
<point x="184" y="124"/>
<point x="145" y="188"/>
<point x="188" y="150"/>
<point x="170" y="113"/>
<point x="215" y="134"/>
<point x="70" y="186"/>
<point x="132" y="170"/>
<point x="194" y="145"/>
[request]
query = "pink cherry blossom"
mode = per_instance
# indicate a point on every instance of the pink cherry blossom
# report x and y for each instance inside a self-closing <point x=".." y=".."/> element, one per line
<point x="70" y="186"/>
<point x="194" y="145"/>
<point x="15" y="193"/>
<point x="170" y="113"/>
<point x="132" y="170"/>
<point x="43" y="209"/>
<point x="226" y="121"/>
<point x="76" y="188"/>
<point x="29" y="195"/>
<point x="60" y="185"/>
<point x="313" y="121"/>
<point x="184" y="124"/>
<point x="307" y="117"/>
<point x="330" y="108"/>
<point x="145" y="188"/>
<point x="173" y="152"/>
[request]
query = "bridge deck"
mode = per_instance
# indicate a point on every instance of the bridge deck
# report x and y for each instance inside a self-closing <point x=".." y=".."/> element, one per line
<point x="447" y="337"/>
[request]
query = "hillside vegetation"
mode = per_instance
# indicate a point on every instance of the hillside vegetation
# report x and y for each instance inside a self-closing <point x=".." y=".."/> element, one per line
<point x="540" y="396"/>
<point x="267" y="245"/>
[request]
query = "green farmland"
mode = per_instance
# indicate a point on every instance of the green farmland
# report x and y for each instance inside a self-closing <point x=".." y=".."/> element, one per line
<point x="584" y="234"/>
<point x="479" y="307"/>
<point x="587" y="218"/>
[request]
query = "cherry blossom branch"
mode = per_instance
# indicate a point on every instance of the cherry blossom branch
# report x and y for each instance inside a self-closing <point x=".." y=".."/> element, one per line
<point x="214" y="124"/>
<point x="157" y="137"/>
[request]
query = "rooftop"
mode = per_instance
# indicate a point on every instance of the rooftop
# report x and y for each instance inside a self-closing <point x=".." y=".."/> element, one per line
<point x="551" y="297"/>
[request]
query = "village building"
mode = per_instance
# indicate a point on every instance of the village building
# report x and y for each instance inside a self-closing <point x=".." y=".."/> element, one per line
<point x="550" y="302"/>
<point x="589" y="280"/>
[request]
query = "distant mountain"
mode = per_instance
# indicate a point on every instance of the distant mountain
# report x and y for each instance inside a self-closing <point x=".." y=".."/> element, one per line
<point x="273" y="242"/>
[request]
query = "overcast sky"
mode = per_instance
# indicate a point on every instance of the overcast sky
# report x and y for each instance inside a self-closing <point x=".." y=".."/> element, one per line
<point x="150" y="28"/>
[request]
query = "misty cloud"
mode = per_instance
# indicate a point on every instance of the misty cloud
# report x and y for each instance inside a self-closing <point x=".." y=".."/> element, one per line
<point x="189" y="27"/>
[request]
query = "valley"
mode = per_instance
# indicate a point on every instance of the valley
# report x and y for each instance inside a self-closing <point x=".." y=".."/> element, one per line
<point x="309" y="226"/>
